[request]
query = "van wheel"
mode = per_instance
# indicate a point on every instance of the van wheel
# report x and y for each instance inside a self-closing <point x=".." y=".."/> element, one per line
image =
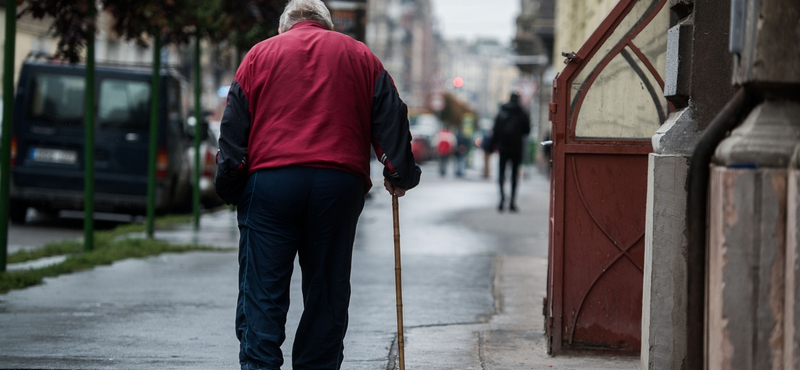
<point x="17" y="212"/>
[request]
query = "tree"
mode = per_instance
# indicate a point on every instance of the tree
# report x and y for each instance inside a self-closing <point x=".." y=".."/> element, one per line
<point x="243" y="23"/>
<point x="71" y="24"/>
<point x="454" y="111"/>
<point x="248" y="24"/>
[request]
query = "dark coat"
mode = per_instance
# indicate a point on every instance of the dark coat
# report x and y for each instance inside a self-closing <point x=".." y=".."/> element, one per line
<point x="511" y="126"/>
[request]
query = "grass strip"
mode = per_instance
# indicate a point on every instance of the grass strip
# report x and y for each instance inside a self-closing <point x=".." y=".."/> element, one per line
<point x="108" y="249"/>
<point x="101" y="238"/>
<point x="48" y="250"/>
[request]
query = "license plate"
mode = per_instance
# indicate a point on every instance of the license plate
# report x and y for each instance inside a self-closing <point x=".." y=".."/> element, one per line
<point x="54" y="156"/>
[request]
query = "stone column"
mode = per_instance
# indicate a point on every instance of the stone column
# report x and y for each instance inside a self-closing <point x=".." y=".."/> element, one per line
<point x="664" y="298"/>
<point x="752" y="313"/>
<point x="791" y="347"/>
<point x="750" y="310"/>
<point x="694" y="48"/>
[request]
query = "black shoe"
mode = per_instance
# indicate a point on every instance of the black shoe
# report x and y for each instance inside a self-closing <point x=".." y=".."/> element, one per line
<point x="500" y="207"/>
<point x="513" y="208"/>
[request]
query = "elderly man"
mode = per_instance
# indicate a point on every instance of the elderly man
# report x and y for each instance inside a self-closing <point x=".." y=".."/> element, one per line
<point x="302" y="113"/>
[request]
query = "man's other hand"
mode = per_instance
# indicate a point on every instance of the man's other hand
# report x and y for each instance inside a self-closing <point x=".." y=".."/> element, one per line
<point x="393" y="190"/>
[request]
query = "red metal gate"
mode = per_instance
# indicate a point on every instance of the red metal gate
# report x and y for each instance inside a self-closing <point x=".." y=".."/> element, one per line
<point x="608" y="103"/>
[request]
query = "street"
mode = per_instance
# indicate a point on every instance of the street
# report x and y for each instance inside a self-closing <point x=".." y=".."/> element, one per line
<point x="473" y="284"/>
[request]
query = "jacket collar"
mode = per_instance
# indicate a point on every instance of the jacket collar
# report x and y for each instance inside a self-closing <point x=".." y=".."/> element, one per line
<point x="307" y="24"/>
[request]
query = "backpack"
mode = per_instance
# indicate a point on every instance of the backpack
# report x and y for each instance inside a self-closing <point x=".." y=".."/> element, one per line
<point x="507" y="131"/>
<point x="444" y="148"/>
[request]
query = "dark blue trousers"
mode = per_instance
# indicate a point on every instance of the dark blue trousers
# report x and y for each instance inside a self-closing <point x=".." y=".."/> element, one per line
<point x="515" y="157"/>
<point x="286" y="212"/>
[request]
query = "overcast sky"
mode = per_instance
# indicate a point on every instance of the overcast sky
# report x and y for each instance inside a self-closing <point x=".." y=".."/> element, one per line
<point x="473" y="18"/>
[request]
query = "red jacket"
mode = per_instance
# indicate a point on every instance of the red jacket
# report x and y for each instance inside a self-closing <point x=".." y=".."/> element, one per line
<point x="313" y="97"/>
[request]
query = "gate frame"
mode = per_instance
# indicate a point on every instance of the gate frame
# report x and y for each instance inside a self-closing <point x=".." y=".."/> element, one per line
<point x="563" y="132"/>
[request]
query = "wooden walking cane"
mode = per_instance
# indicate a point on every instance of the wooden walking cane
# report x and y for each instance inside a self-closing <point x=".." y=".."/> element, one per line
<point x="398" y="283"/>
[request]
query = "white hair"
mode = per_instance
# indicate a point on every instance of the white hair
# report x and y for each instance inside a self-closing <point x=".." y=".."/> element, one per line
<point x="305" y="10"/>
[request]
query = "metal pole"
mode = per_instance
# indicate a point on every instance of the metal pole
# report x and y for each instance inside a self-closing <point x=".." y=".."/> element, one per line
<point x="5" y="146"/>
<point x="398" y="282"/>
<point x="88" y="146"/>
<point x="155" y="95"/>
<point x="197" y="132"/>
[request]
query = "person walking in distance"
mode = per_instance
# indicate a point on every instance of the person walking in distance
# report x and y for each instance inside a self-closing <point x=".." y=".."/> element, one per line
<point x="302" y="112"/>
<point x="511" y="127"/>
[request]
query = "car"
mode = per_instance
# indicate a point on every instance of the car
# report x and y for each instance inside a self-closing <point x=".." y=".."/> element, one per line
<point x="423" y="128"/>
<point x="47" y="170"/>
<point x="209" y="145"/>
<point x="420" y="147"/>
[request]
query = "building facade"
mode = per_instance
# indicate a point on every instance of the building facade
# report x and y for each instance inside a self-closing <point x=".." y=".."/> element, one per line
<point x="720" y="272"/>
<point x="401" y="33"/>
<point x="533" y="44"/>
<point x="485" y="68"/>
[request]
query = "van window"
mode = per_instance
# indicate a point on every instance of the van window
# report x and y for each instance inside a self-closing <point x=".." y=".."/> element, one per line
<point x="124" y="104"/>
<point x="57" y="99"/>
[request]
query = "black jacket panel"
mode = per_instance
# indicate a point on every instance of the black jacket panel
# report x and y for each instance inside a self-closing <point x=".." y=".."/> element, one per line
<point x="391" y="138"/>
<point x="232" y="156"/>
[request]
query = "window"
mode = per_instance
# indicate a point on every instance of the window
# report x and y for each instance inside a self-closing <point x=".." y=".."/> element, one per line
<point x="619" y="93"/>
<point x="124" y="104"/>
<point x="57" y="99"/>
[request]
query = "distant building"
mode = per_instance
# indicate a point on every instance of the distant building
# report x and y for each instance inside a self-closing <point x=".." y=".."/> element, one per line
<point x="401" y="34"/>
<point x="534" y="44"/>
<point x="31" y="38"/>
<point x="485" y="69"/>
<point x="535" y="33"/>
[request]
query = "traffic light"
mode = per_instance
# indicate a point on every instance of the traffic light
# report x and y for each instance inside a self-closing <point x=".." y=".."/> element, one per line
<point x="458" y="82"/>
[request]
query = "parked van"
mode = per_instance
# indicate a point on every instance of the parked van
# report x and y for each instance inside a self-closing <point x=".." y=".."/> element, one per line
<point x="47" y="170"/>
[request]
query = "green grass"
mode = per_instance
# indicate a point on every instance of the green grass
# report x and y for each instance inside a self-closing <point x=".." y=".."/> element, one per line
<point x="50" y="249"/>
<point x="109" y="246"/>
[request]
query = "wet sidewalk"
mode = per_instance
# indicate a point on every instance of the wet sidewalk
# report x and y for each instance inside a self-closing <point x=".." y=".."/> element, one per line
<point x="473" y="283"/>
